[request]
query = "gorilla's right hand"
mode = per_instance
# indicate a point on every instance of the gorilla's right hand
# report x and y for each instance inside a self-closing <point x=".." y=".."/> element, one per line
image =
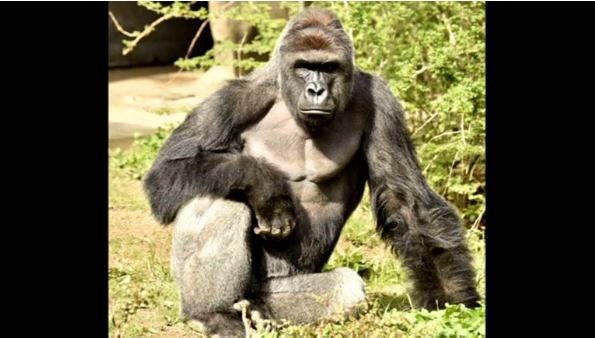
<point x="274" y="208"/>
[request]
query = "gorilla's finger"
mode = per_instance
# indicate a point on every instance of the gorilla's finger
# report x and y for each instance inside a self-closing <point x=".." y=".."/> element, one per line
<point x="243" y="304"/>
<point x="262" y="231"/>
<point x="286" y="231"/>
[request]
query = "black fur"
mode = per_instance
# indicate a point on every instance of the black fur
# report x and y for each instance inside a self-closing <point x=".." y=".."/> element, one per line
<point x="419" y="224"/>
<point x="204" y="158"/>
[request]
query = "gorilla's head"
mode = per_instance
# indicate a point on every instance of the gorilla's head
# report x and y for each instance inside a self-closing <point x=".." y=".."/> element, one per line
<point x="315" y="57"/>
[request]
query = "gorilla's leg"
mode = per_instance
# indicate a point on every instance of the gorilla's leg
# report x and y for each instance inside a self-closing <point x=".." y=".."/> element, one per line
<point x="303" y="299"/>
<point x="212" y="263"/>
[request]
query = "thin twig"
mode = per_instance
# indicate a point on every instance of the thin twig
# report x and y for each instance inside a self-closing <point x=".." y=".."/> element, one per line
<point x="382" y="64"/>
<point x="240" y="51"/>
<point x="146" y="32"/>
<point x="476" y="223"/>
<point x="451" y="35"/>
<point x="463" y="127"/>
<point x="200" y="29"/>
<point x="445" y="133"/>
<point x="437" y="154"/>
<point x="120" y="28"/>
<point x="204" y="24"/>
<point x="451" y="169"/>
<point x="425" y="123"/>
<point x="320" y="327"/>
<point x="430" y="163"/>
<point x="437" y="136"/>
<point x="410" y="302"/>
<point x="349" y="15"/>
<point x="423" y="69"/>
<point x="473" y="167"/>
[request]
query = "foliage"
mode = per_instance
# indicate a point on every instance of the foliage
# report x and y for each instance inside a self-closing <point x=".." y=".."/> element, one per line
<point x="433" y="56"/>
<point x="136" y="161"/>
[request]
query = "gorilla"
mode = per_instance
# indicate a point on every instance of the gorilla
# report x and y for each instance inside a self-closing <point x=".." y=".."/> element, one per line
<point x="261" y="177"/>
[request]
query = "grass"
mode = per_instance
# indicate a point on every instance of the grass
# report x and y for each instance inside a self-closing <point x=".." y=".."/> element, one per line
<point x="144" y="298"/>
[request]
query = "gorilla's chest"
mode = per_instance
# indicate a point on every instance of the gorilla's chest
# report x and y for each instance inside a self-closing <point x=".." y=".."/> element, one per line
<point x="278" y="139"/>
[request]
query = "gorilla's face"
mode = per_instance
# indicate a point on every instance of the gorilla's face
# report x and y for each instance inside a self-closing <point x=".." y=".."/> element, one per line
<point x="316" y="74"/>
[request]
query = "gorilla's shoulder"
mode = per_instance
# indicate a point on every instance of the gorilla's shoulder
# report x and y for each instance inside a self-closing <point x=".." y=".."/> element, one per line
<point x="369" y="80"/>
<point x="370" y="89"/>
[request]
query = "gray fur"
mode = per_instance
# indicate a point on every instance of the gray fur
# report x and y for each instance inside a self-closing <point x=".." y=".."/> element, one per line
<point x="211" y="260"/>
<point x="308" y="298"/>
<point x="203" y="231"/>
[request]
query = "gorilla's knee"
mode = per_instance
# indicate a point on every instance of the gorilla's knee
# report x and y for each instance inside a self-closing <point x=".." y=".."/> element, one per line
<point x="350" y="291"/>
<point x="308" y="298"/>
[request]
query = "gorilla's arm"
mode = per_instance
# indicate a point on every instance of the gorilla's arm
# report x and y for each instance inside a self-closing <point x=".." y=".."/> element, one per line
<point x="202" y="156"/>
<point x="421" y="226"/>
<point x="401" y="197"/>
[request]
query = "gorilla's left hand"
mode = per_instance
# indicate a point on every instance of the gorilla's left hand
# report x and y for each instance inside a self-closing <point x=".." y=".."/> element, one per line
<point x="280" y="225"/>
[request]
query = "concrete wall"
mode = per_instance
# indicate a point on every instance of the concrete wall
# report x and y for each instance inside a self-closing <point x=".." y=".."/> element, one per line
<point x="167" y="43"/>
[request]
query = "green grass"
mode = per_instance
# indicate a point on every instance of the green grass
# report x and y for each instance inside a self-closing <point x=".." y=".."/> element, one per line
<point x="144" y="298"/>
<point x="125" y="193"/>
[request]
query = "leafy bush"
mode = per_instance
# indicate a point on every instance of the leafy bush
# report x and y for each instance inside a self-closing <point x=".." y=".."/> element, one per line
<point x="136" y="161"/>
<point x="431" y="53"/>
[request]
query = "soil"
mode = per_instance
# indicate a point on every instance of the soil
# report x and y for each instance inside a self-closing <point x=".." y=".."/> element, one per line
<point x="142" y="99"/>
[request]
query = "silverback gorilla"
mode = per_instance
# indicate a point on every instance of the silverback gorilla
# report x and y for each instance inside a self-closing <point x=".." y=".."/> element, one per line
<point x="260" y="179"/>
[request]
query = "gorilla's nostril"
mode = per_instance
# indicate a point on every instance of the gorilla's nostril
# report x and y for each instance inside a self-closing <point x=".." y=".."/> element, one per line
<point x="315" y="90"/>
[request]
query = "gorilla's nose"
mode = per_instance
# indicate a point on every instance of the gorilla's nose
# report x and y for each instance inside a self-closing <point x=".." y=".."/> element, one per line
<point x="316" y="92"/>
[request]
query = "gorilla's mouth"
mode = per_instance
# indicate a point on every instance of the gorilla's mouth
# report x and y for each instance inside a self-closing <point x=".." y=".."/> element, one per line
<point x="317" y="113"/>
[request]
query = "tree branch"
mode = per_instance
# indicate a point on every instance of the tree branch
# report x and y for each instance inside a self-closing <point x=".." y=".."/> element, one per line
<point x="444" y="18"/>
<point x="425" y="123"/>
<point x="120" y="28"/>
<point x="196" y="36"/>
<point x="476" y="223"/>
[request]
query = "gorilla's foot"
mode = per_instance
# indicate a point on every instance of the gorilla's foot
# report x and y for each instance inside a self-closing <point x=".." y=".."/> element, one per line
<point x="253" y="315"/>
<point x="219" y="325"/>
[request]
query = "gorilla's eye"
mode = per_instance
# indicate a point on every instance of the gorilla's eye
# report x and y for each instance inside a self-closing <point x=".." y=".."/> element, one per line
<point x="327" y="67"/>
<point x="303" y="66"/>
<point x="330" y="67"/>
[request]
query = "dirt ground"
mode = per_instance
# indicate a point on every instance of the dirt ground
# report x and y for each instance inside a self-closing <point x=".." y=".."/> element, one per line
<point x="142" y="99"/>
